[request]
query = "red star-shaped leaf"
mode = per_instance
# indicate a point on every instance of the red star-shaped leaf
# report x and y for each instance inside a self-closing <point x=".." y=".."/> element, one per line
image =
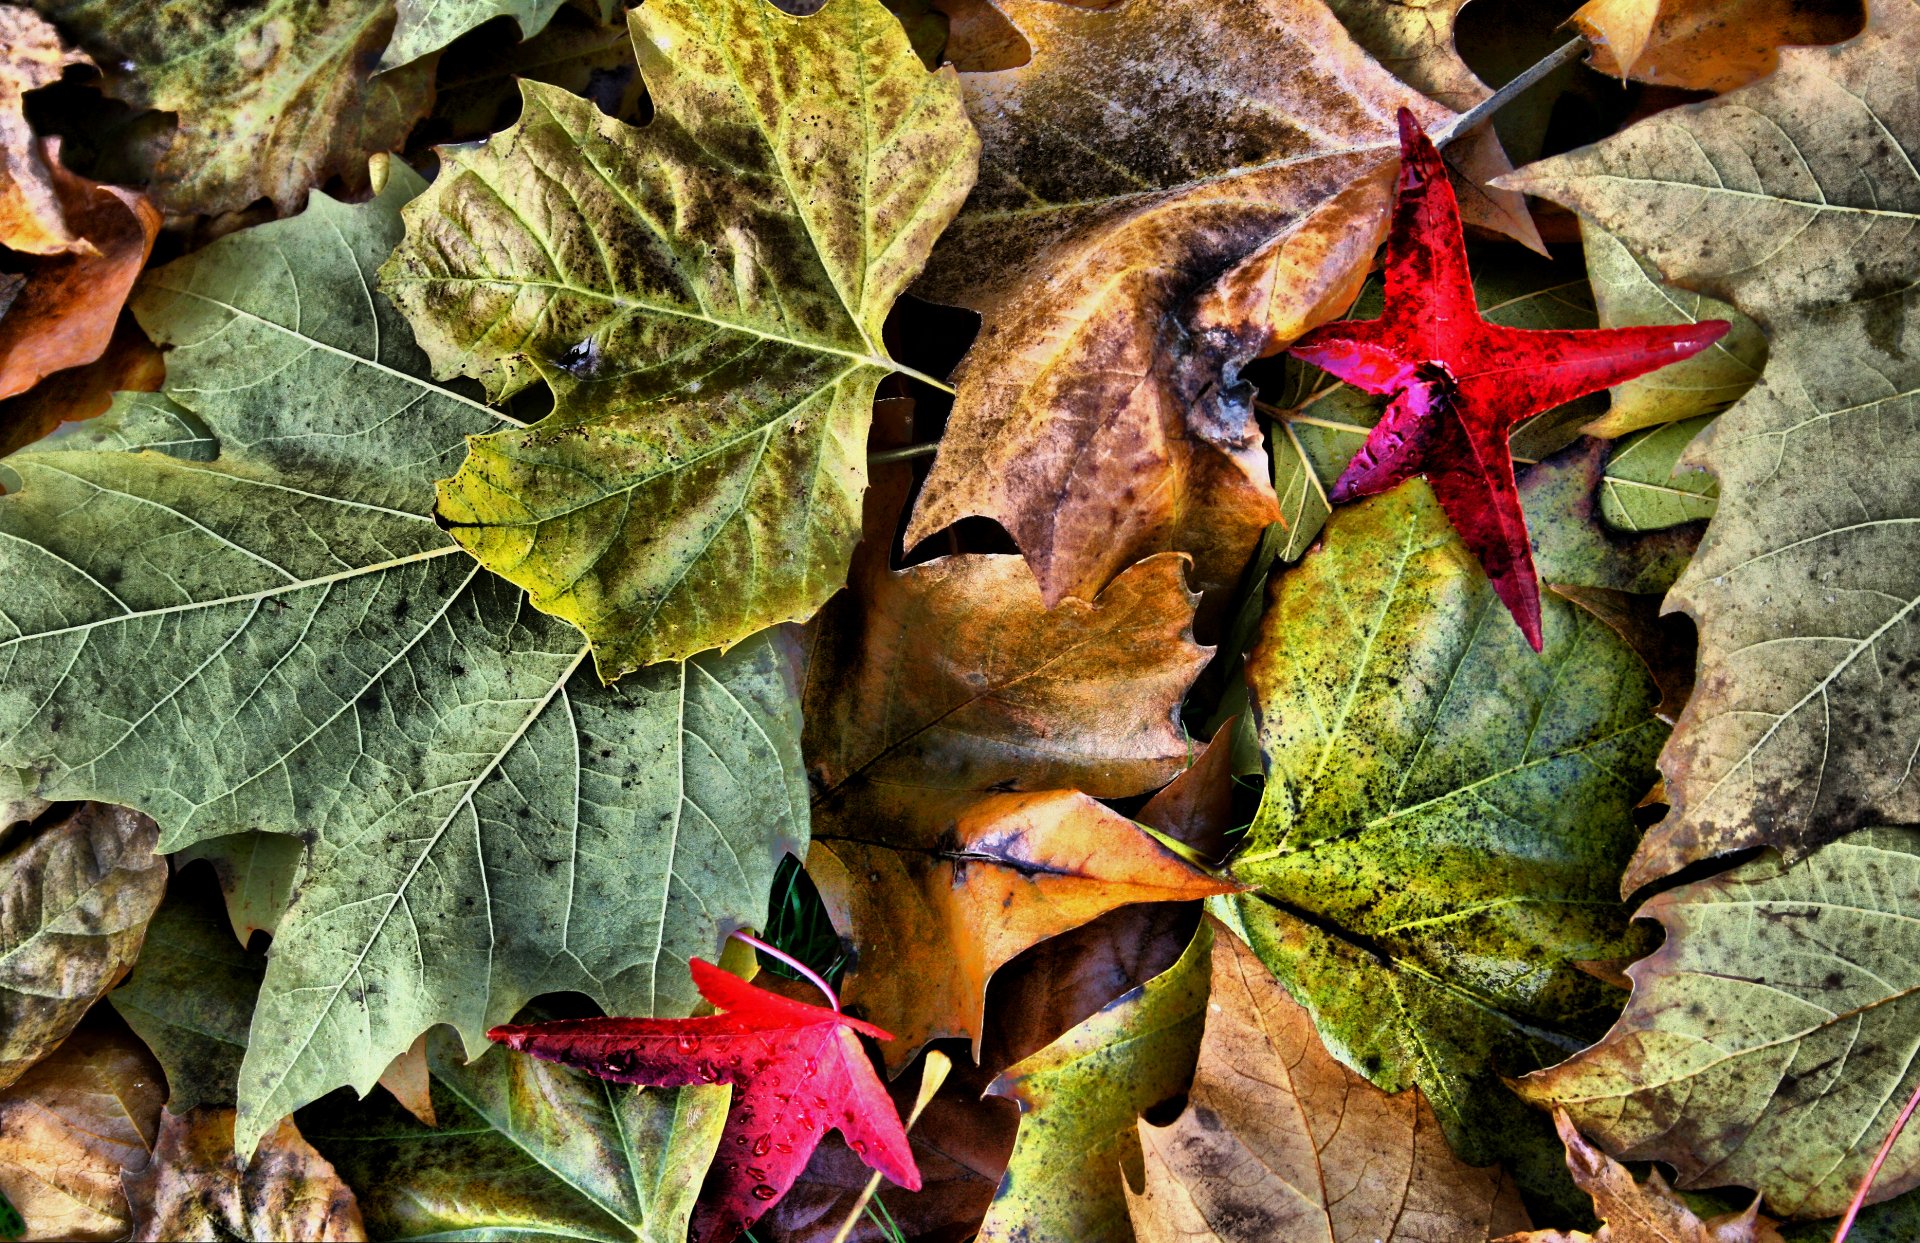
<point x="1459" y="384"/>
<point x="797" y="1072"/>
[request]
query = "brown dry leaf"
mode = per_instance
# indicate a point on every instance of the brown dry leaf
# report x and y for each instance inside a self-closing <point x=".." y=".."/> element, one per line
<point x="1706" y="45"/>
<point x="131" y="364"/>
<point x="195" y="1189"/>
<point x="935" y="918"/>
<point x="75" y="899"/>
<point x="1646" y="1212"/>
<point x="1415" y="42"/>
<point x="407" y="1078"/>
<point x="69" y="1128"/>
<point x="1280" y="1141"/>
<point x="1196" y="807"/>
<point x="65" y="315"/>
<point x="32" y="217"/>
<point x="1142" y="152"/>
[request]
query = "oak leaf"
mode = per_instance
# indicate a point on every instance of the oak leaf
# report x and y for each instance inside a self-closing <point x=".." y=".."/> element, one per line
<point x="1705" y="45"/>
<point x="338" y="669"/>
<point x="273" y="99"/>
<point x="797" y="1071"/>
<point x="71" y="1127"/>
<point x="1165" y="189"/>
<point x="710" y="329"/>
<point x="1646" y="1212"/>
<point x="1768" y="1042"/>
<point x="1804" y="587"/>
<point x="32" y="217"/>
<point x="1280" y="1141"/>
<point x="194" y="1187"/>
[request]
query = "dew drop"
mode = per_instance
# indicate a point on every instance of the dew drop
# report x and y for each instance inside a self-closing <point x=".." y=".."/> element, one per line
<point x="689" y="1043"/>
<point x="783" y="1148"/>
<point x="764" y="1192"/>
<point x="756" y="1172"/>
<point x="761" y="1143"/>
<point x="804" y="1120"/>
<point x="859" y="1147"/>
<point x="813" y="1066"/>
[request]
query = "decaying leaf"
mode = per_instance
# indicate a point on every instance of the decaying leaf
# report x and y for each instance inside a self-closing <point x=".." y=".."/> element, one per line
<point x="1706" y="45"/>
<point x="487" y="821"/>
<point x="1080" y="1098"/>
<point x="1769" y="1041"/>
<point x="194" y="1189"/>
<point x="523" y="1149"/>
<point x="64" y="314"/>
<point x="1445" y="813"/>
<point x="477" y="90"/>
<point x="130" y="363"/>
<point x="933" y="924"/>
<point x="1166" y="189"/>
<point x="257" y="874"/>
<point x="1650" y="486"/>
<point x="68" y="1130"/>
<point x="1280" y="1141"/>
<point x="1646" y="1212"/>
<point x="32" y="216"/>
<point x="710" y="328"/>
<point x="274" y="97"/>
<point x="1799" y="198"/>
<point x="426" y="26"/>
<point x="1663" y="642"/>
<point x="74" y="903"/>
<point x="1627" y="292"/>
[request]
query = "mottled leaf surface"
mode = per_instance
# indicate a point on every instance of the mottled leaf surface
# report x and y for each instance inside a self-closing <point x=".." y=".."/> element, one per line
<point x="292" y="645"/>
<point x="710" y="327"/>
<point x="1800" y="203"/>
<point x="1769" y="1042"/>
<point x="195" y="1189"/>
<point x="32" y="219"/>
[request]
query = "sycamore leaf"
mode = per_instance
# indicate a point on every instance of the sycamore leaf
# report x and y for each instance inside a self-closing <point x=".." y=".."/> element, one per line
<point x="1280" y="1141"/>
<point x="796" y="1070"/>
<point x="1705" y="45"/>
<point x="710" y="327"/>
<point x="1648" y="486"/>
<point x="196" y="1188"/>
<point x="32" y="218"/>
<point x="1444" y="816"/>
<point x="1415" y="42"/>
<point x="1627" y="292"/>
<point x="71" y="1127"/>
<point x="273" y="98"/>
<point x="477" y="89"/>
<point x="74" y="905"/>
<point x="292" y="645"/>
<point x="191" y="996"/>
<point x="1802" y="728"/>
<point x="1769" y="1041"/>
<point x="64" y="315"/>
<point x="1646" y="1212"/>
<point x="1080" y="1098"/>
<point x="1148" y="152"/>
<point x="428" y="25"/>
<point x="523" y="1148"/>
<point x="932" y="926"/>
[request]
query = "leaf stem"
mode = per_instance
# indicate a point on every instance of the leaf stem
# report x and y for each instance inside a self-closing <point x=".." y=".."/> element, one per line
<point x="1873" y="1171"/>
<point x="1473" y="116"/>
<point x="813" y="976"/>
<point x="902" y="455"/>
<point x="923" y="377"/>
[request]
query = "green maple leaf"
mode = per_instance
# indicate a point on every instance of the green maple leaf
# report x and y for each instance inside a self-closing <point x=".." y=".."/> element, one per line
<point x="272" y="633"/>
<point x="704" y="296"/>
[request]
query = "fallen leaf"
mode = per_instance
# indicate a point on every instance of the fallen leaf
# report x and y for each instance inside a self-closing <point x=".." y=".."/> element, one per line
<point x="273" y="99"/>
<point x="74" y="903"/>
<point x="1628" y="292"/>
<point x="1649" y="485"/>
<point x="195" y="1188"/>
<point x="477" y="90"/>
<point x="785" y="1060"/>
<point x="523" y="1148"/>
<point x="1079" y="1099"/>
<point x="933" y="925"/>
<point x="1444" y="817"/>
<point x="426" y="26"/>
<point x="1769" y="1040"/>
<point x="1572" y="543"/>
<point x="1166" y="190"/>
<point x="713" y="368"/>
<point x="1280" y="1141"/>
<point x="32" y="215"/>
<point x="65" y="314"/>
<point x="338" y="669"/>
<point x="130" y="363"/>
<point x="257" y="874"/>
<point x="1196" y="807"/>
<point x="1663" y="642"/>
<point x="1705" y="45"/>
<point x="1646" y="1212"/>
<point x="1459" y="384"/>
<point x="190" y="997"/>
<point x="406" y="1078"/>
<point x="70" y="1127"/>
<point x="1800" y="729"/>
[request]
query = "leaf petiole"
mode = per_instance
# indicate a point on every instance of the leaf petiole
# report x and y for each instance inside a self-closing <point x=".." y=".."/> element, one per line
<point x="1472" y="117"/>
<point x="819" y="981"/>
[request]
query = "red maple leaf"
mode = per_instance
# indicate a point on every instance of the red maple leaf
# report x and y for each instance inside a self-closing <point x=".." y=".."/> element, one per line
<point x="1459" y="383"/>
<point x="797" y="1071"/>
